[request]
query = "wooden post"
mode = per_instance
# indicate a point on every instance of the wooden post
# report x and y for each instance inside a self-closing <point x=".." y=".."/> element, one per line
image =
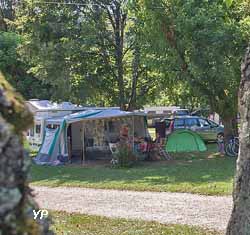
<point x="83" y="144"/>
<point x="69" y="149"/>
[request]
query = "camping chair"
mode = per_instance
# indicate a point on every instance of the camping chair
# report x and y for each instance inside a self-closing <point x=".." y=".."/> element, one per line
<point x="163" y="153"/>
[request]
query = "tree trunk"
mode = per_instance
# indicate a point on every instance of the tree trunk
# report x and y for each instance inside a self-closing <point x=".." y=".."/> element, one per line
<point x="16" y="203"/>
<point x="119" y="26"/>
<point x="239" y="223"/>
<point x="135" y="75"/>
<point x="228" y="128"/>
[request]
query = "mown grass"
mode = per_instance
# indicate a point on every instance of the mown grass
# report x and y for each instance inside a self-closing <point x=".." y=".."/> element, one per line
<point x="203" y="173"/>
<point x="76" y="224"/>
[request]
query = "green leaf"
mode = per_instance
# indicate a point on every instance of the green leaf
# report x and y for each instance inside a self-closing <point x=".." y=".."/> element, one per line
<point x="228" y="2"/>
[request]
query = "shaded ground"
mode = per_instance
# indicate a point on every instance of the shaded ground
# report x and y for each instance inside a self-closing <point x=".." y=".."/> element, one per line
<point x="78" y="224"/>
<point x="203" y="173"/>
<point x="169" y="208"/>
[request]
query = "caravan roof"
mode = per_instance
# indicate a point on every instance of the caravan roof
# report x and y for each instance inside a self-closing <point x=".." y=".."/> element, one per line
<point x="47" y="105"/>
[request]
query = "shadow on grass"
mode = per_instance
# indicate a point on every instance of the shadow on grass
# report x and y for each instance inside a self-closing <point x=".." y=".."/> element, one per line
<point x="205" y="173"/>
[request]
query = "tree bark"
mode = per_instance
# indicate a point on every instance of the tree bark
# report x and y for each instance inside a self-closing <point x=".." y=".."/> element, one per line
<point x="135" y="76"/>
<point x="16" y="202"/>
<point x="228" y="128"/>
<point x="239" y="223"/>
<point x="119" y="26"/>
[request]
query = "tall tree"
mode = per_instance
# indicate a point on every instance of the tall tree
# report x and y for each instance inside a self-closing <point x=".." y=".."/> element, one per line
<point x="240" y="219"/>
<point x="90" y="51"/>
<point x="11" y="65"/>
<point x="203" y="43"/>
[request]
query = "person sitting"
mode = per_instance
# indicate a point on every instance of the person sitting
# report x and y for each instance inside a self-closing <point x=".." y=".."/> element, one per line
<point x="144" y="146"/>
<point x="220" y="142"/>
<point x="136" y="141"/>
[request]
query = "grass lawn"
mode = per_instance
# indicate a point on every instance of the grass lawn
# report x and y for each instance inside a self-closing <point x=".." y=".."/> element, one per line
<point x="76" y="224"/>
<point x="203" y="173"/>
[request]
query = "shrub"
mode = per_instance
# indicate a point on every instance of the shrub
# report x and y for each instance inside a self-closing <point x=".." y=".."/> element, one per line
<point x="124" y="157"/>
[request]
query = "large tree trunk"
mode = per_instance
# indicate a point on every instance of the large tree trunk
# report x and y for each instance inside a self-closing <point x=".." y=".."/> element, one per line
<point x="239" y="223"/>
<point x="228" y="127"/>
<point x="119" y="27"/>
<point x="135" y="76"/>
<point x="16" y="203"/>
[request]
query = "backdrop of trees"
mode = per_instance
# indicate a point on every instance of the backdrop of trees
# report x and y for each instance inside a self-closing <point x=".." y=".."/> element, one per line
<point x="127" y="53"/>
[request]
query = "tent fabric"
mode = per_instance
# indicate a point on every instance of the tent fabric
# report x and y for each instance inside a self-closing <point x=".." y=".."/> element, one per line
<point x="92" y="115"/>
<point x="48" y="140"/>
<point x="55" y="141"/>
<point x="185" y="141"/>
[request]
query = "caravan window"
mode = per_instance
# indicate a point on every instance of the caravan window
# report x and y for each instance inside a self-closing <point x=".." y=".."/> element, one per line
<point x="52" y="126"/>
<point x="38" y="129"/>
<point x="31" y="132"/>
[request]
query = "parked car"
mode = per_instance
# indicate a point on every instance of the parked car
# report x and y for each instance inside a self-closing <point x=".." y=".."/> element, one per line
<point x="207" y="129"/>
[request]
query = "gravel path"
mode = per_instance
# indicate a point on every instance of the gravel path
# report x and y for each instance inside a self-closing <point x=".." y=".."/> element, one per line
<point x="179" y="208"/>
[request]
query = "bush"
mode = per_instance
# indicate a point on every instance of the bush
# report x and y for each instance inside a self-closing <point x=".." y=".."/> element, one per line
<point x="124" y="157"/>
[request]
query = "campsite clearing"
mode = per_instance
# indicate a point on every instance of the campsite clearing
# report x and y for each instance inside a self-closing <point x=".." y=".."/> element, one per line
<point x="203" y="173"/>
<point x="75" y="224"/>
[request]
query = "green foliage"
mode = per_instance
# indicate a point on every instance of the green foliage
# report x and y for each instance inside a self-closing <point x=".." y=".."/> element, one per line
<point x="228" y="2"/>
<point x="78" y="51"/>
<point x="124" y="157"/>
<point x="8" y="45"/>
<point x="15" y="69"/>
<point x="169" y="52"/>
<point x="200" y="44"/>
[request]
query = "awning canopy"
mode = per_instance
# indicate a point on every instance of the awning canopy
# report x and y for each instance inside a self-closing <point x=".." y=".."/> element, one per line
<point x="93" y="115"/>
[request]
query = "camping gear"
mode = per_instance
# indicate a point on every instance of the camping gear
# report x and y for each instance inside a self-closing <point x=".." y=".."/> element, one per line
<point x="56" y="142"/>
<point x="185" y="141"/>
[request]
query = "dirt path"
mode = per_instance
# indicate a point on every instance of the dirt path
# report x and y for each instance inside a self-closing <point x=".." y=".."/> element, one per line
<point x="179" y="208"/>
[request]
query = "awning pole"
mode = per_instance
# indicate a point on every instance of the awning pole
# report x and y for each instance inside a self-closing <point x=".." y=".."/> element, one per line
<point x="133" y="120"/>
<point x="83" y="144"/>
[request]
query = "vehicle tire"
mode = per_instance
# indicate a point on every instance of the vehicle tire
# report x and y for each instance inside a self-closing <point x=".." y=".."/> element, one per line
<point x="235" y="147"/>
<point x="229" y="150"/>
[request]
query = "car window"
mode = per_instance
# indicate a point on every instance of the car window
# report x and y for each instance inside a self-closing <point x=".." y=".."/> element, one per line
<point x="181" y="112"/>
<point x="179" y="123"/>
<point x="204" y="122"/>
<point x="192" y="122"/>
<point x="213" y="124"/>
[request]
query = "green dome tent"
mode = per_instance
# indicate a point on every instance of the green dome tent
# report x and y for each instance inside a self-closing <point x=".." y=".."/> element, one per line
<point x="185" y="141"/>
